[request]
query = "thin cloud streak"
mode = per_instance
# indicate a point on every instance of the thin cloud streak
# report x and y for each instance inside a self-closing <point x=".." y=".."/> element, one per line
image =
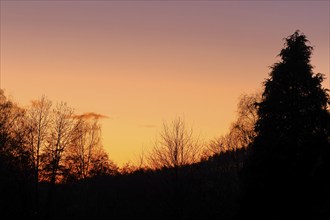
<point x="91" y="115"/>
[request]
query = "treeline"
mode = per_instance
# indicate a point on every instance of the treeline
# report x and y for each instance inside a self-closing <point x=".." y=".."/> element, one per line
<point x="206" y="190"/>
<point x="274" y="162"/>
<point x="47" y="151"/>
<point x="46" y="143"/>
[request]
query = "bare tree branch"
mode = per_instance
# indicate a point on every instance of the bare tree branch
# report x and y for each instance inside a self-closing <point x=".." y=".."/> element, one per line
<point x="175" y="147"/>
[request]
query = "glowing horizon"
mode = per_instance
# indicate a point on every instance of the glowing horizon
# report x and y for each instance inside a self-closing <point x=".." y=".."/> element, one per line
<point x="142" y="63"/>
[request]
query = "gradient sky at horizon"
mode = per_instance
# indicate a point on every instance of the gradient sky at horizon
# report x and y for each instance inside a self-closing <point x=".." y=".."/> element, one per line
<point x="143" y="62"/>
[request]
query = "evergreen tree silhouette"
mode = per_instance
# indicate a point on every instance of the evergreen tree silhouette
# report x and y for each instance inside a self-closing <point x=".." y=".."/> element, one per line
<point x="287" y="171"/>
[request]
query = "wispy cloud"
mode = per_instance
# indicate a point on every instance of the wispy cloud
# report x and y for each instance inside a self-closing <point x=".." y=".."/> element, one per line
<point x="90" y="115"/>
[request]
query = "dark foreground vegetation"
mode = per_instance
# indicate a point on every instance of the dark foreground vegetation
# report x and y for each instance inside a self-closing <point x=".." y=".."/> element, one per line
<point x="198" y="192"/>
<point x="273" y="164"/>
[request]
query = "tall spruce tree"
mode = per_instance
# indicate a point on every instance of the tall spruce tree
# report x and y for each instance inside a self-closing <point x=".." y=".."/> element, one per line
<point x="286" y="176"/>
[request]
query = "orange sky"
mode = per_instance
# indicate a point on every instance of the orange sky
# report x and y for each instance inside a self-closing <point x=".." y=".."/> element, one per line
<point x="142" y="62"/>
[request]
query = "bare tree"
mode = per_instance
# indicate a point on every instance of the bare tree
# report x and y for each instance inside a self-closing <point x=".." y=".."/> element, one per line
<point x="140" y="161"/>
<point x="38" y="122"/>
<point x="15" y="164"/>
<point x="10" y="116"/>
<point x="175" y="147"/>
<point x="241" y="132"/>
<point x="243" y="129"/>
<point x="216" y="146"/>
<point x="12" y="129"/>
<point x="87" y="141"/>
<point x="61" y="136"/>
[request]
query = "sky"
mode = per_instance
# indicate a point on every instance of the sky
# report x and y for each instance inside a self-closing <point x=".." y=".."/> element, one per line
<point x="141" y="63"/>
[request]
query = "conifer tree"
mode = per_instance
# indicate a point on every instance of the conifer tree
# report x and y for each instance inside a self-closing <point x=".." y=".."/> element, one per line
<point x="286" y="174"/>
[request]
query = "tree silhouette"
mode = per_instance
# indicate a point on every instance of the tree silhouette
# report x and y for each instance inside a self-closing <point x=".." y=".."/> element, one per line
<point x="285" y="174"/>
<point x="38" y="122"/>
<point x="87" y="138"/>
<point x="15" y="167"/>
<point x="85" y="156"/>
<point x="176" y="146"/>
<point x="35" y="144"/>
<point x="61" y="136"/>
<point x="241" y="133"/>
